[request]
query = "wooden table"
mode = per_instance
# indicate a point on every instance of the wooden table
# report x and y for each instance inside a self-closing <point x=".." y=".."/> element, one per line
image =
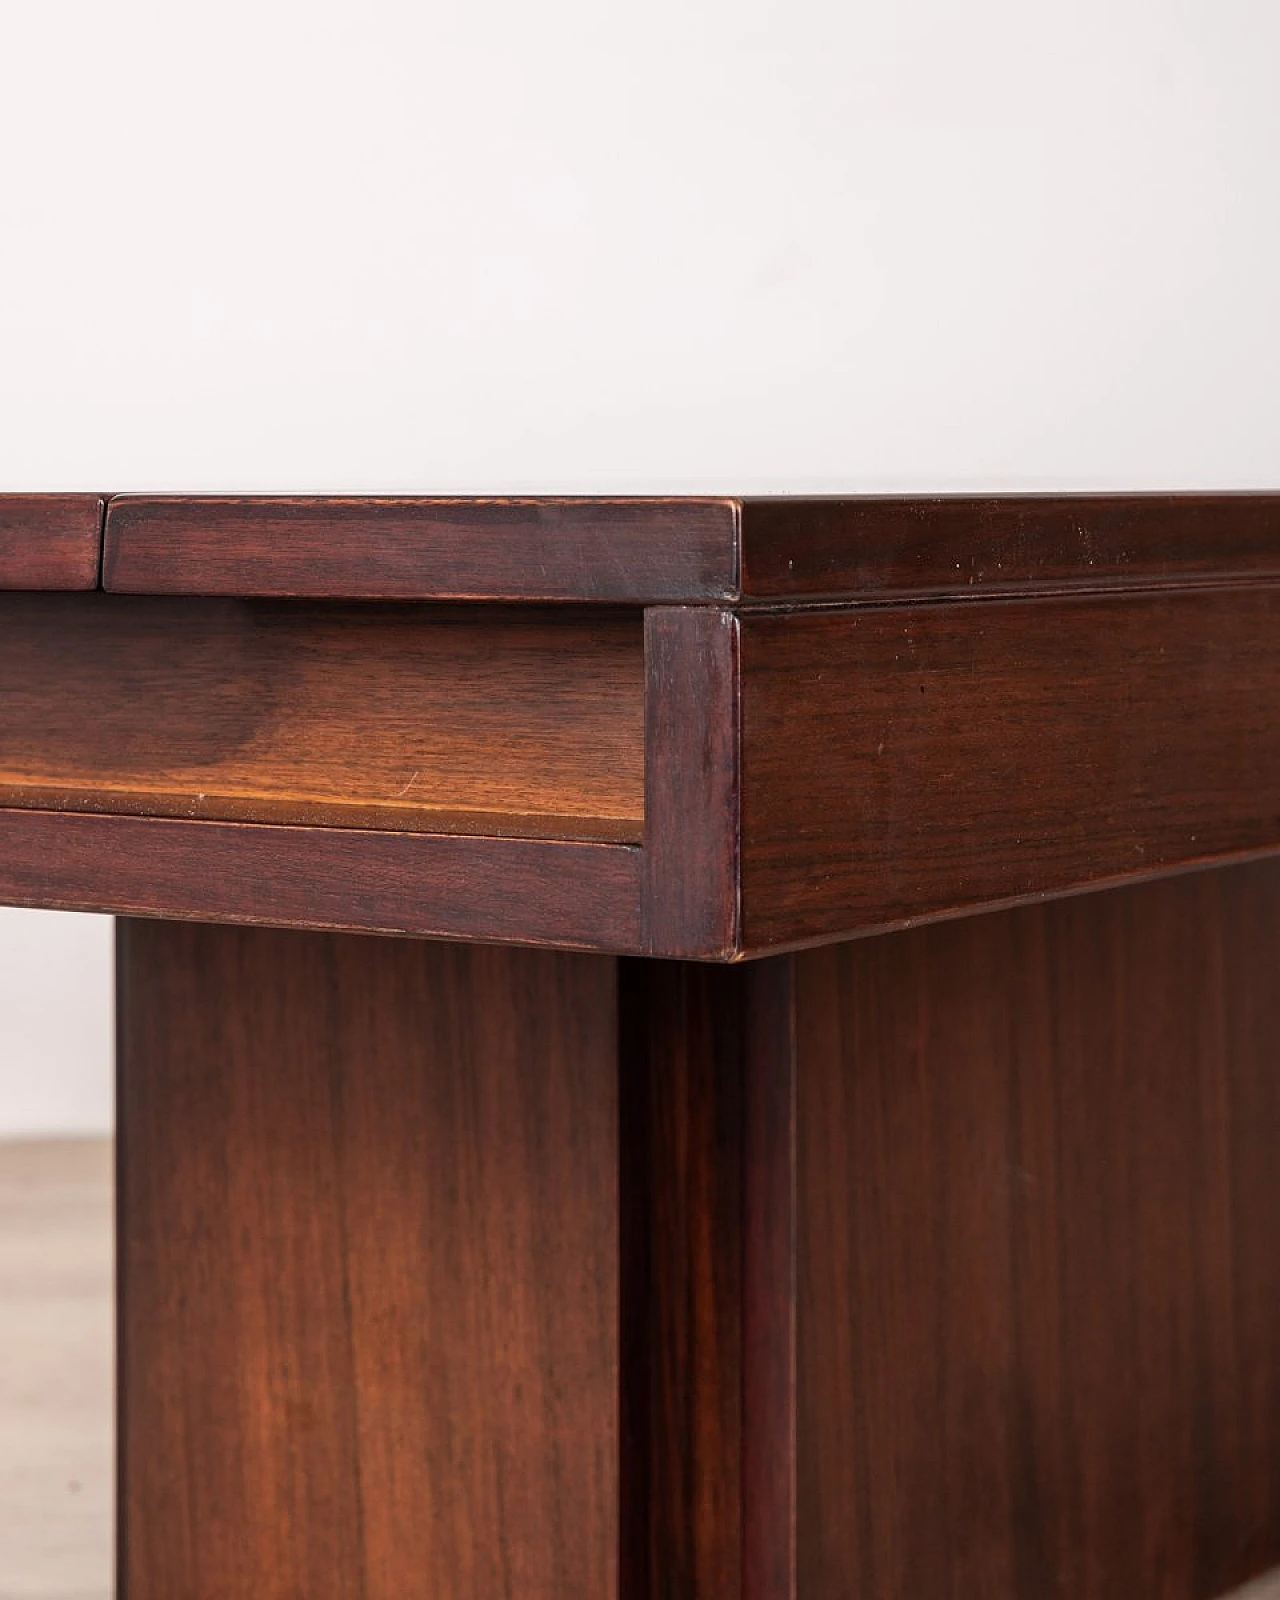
<point x="545" y="1247"/>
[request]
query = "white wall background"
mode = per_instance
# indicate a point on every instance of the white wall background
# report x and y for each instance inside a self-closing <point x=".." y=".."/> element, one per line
<point x="55" y="1024"/>
<point x="754" y="245"/>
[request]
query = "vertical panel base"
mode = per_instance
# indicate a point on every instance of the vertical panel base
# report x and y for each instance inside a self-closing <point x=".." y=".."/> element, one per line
<point x="369" y="1276"/>
<point x="935" y="1264"/>
<point x="1039" y="1318"/>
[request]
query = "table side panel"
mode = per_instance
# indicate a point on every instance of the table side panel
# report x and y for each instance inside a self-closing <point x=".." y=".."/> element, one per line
<point x="1039" y="1289"/>
<point x="902" y="762"/>
<point x="874" y="547"/>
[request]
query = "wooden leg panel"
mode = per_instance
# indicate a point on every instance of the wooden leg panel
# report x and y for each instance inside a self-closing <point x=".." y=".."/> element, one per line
<point x="369" y="1268"/>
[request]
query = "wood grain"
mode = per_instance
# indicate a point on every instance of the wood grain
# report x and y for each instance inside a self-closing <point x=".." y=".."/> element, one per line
<point x="707" y="1295"/>
<point x="903" y="762"/>
<point x="439" y="720"/>
<point x="682" y="551"/>
<point x="793" y="772"/>
<point x="1039" y="1290"/>
<point x="637" y="551"/>
<point x="370" y="1269"/>
<point x="691" y="782"/>
<point x="50" y="541"/>
<point x="769" y="1282"/>
<point x="681" y="1108"/>
<point x="521" y="891"/>
<point x="875" y="548"/>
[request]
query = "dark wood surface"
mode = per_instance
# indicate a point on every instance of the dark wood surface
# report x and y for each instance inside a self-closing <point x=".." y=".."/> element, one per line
<point x="769" y="1284"/>
<point x="708" y="1280"/>
<point x="521" y="891"/>
<point x="681" y="1400"/>
<point x="793" y="769"/>
<point x="875" y="547"/>
<point x="50" y="541"/>
<point x="655" y="551"/>
<point x="1039" y="1200"/>
<point x="638" y="551"/>
<point x="462" y="719"/>
<point x="941" y="1262"/>
<point x="708" y="1302"/>
<point x="903" y="762"/>
<point x="894" y="762"/>
<point x="690" y="881"/>
<point x="936" y="1263"/>
<point x="369" y="1267"/>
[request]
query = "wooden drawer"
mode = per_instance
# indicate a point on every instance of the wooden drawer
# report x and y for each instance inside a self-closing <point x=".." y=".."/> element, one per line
<point x="693" y="728"/>
<point x="496" y="722"/>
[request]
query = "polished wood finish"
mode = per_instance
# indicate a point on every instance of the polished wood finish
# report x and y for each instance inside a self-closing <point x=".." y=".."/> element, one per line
<point x="691" y="782"/>
<point x="456" y="720"/>
<point x="938" y="1263"/>
<point x="521" y="891"/>
<point x="681" y="1199"/>
<point x="636" y="551"/>
<point x="909" y="762"/>
<point x="769" y="1283"/>
<point x="876" y="548"/>
<point x="792" y="767"/>
<point x="369" y="1269"/>
<point x="690" y="550"/>
<point x="1039" y="1304"/>
<point x="708" y="1466"/>
<point x="50" y="541"/>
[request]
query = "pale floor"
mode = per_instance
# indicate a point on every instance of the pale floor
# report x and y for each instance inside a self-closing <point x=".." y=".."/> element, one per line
<point x="56" y="1450"/>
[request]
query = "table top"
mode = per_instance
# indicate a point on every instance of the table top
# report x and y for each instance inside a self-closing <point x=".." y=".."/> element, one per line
<point x="637" y="550"/>
<point x="699" y="727"/>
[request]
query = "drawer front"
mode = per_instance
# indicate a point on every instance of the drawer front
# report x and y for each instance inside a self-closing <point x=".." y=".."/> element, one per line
<point x="524" y="723"/>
